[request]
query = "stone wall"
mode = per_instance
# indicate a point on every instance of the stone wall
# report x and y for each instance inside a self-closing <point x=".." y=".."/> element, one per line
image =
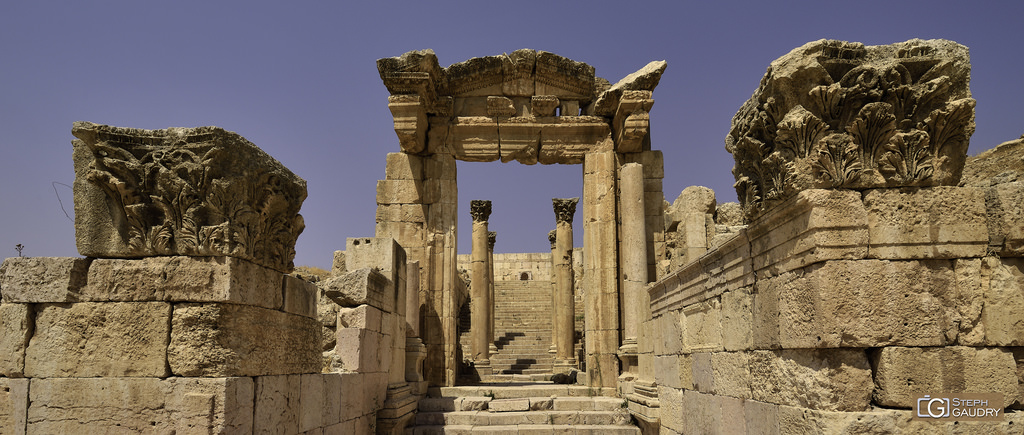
<point x="833" y="309"/>
<point x="212" y="344"/>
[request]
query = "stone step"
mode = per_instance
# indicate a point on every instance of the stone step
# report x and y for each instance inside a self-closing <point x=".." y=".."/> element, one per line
<point x="526" y="429"/>
<point x="506" y="418"/>
<point x="500" y="391"/>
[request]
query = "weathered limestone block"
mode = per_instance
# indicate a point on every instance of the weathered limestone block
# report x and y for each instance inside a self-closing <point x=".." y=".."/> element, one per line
<point x="903" y="372"/>
<point x="16" y="323"/>
<point x="405" y="192"/>
<point x="42" y="279"/>
<point x="140" y="405"/>
<point x="1006" y="218"/>
<point x="183" y="191"/>
<point x="737" y="319"/>
<point x="730" y="372"/>
<point x="834" y="114"/>
<point x="702" y="327"/>
<point x="13" y="405"/>
<point x="183" y="279"/>
<point x="814" y="226"/>
<point x="673" y="409"/>
<point x="938" y="222"/>
<point x="837" y="304"/>
<point x="99" y="339"/>
<point x="300" y="297"/>
<point x="1004" y="303"/>
<point x="237" y="340"/>
<point x="360" y="287"/>
<point x="826" y="379"/>
<point x="277" y="404"/>
<point x="410" y="116"/>
<point x="360" y="350"/>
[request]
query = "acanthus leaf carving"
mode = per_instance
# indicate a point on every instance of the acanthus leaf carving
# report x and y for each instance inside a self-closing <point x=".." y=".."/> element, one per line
<point x="874" y="126"/>
<point x="838" y="161"/>
<point x="798" y="132"/>
<point x="908" y="158"/>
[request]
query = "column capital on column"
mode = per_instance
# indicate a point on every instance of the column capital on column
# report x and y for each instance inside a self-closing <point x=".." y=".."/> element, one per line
<point x="480" y="209"/>
<point x="492" y="236"/>
<point x="552" y="236"/>
<point x="565" y="208"/>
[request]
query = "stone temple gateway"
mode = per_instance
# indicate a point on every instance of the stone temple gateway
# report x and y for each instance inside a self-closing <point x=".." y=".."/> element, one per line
<point x="868" y="263"/>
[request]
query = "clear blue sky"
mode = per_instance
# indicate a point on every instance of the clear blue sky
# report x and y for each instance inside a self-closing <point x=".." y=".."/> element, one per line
<point x="299" y="80"/>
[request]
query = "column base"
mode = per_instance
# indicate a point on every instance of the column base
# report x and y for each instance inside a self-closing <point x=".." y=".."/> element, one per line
<point x="415" y="353"/>
<point x="482" y="368"/>
<point x="399" y="409"/>
<point x="629" y="360"/>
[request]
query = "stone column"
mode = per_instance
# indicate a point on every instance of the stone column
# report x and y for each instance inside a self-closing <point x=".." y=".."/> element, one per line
<point x="600" y="268"/>
<point x="552" y="236"/>
<point x="633" y="260"/>
<point x="491" y="238"/>
<point x="564" y="303"/>
<point x="480" y="286"/>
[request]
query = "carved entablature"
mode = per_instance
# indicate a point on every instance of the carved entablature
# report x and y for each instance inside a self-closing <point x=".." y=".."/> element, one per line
<point x="834" y="114"/>
<point x="565" y="208"/>
<point x="480" y="210"/>
<point x="529" y="106"/>
<point x="183" y="191"/>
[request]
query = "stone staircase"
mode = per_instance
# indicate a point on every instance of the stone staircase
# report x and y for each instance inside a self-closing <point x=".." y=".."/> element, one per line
<point x="522" y="329"/>
<point x="521" y="409"/>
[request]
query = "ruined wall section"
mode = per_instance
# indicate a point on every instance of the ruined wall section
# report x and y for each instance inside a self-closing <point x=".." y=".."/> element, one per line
<point x="835" y="306"/>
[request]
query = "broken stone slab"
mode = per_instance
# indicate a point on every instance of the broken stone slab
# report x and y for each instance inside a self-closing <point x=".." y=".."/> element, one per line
<point x="365" y="286"/>
<point x="88" y="339"/>
<point x="183" y="191"/>
<point x="835" y="114"/>
<point x="42" y="279"/>
<point x="509" y="405"/>
<point x="644" y="79"/>
<point x="183" y="279"/>
<point x="140" y="405"/>
<point x="213" y="340"/>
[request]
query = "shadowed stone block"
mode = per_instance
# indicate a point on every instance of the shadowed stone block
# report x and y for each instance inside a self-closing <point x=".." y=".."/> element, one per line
<point x="99" y="339"/>
<point x="300" y="297"/>
<point x="237" y="340"/>
<point x="42" y="279"/>
<point x="904" y="372"/>
<point x="140" y="405"/>
<point x="835" y="114"/>
<point x="183" y="279"/>
<point x="183" y="191"/>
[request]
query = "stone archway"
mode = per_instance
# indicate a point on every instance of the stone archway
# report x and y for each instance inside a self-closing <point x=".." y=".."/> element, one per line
<point x="532" y="107"/>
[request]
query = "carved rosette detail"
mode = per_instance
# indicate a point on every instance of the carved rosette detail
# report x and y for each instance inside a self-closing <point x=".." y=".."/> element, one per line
<point x="835" y="114"/>
<point x="565" y="208"/>
<point x="196" y="192"/>
<point x="492" y="237"/>
<point x="480" y="209"/>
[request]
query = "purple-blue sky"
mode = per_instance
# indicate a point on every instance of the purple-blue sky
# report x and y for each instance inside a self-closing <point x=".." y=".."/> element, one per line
<point x="299" y="80"/>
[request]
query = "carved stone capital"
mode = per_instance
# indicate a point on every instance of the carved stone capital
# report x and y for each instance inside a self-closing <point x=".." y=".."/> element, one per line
<point x="565" y="208"/>
<point x="183" y="191"/>
<point x="480" y="209"/>
<point x="492" y="237"/>
<point x="836" y="114"/>
<point x="552" y="236"/>
<point x="544" y="105"/>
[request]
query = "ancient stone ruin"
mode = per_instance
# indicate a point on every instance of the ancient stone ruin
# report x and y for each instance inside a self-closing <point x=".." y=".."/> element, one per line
<point x="869" y="263"/>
